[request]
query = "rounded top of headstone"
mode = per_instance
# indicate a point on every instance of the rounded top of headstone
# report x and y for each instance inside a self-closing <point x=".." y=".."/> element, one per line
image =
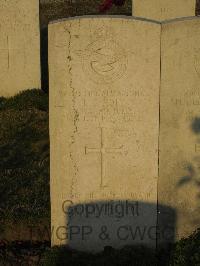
<point x="164" y="9"/>
<point x="98" y="17"/>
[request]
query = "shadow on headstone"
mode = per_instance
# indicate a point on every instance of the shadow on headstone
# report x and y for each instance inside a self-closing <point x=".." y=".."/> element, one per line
<point x="44" y="59"/>
<point x="191" y="179"/>
<point x="195" y="126"/>
<point x="92" y="226"/>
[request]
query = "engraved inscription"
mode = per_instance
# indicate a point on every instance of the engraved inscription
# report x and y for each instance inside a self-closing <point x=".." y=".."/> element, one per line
<point x="103" y="150"/>
<point x="111" y="105"/>
<point x="164" y="10"/>
<point x="111" y="110"/>
<point x="197" y="148"/>
<point x="186" y="101"/>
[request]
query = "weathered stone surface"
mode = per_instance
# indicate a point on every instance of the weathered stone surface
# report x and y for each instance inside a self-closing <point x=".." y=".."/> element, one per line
<point x="104" y="123"/>
<point x="19" y="46"/>
<point x="179" y="179"/>
<point x="163" y="9"/>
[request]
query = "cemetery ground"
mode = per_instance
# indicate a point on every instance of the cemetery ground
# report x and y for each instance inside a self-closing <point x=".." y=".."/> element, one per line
<point x="24" y="184"/>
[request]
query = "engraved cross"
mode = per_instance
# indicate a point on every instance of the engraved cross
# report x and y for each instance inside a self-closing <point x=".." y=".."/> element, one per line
<point x="8" y="49"/>
<point x="103" y="150"/>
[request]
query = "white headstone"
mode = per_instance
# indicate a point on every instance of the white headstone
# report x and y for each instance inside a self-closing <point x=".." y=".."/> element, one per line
<point x="163" y="9"/>
<point x="179" y="179"/>
<point x="19" y="46"/>
<point x="104" y="126"/>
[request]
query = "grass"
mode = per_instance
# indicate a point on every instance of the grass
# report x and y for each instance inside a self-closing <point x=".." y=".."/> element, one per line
<point x="24" y="164"/>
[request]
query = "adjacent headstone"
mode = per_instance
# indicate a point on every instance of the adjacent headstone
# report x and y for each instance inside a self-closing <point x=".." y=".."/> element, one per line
<point x="104" y="126"/>
<point x="179" y="176"/>
<point x="19" y="46"/>
<point x="163" y="9"/>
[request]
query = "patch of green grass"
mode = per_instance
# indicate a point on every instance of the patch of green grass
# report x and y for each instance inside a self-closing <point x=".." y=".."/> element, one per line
<point x="187" y="251"/>
<point x="24" y="164"/>
<point x="26" y="100"/>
